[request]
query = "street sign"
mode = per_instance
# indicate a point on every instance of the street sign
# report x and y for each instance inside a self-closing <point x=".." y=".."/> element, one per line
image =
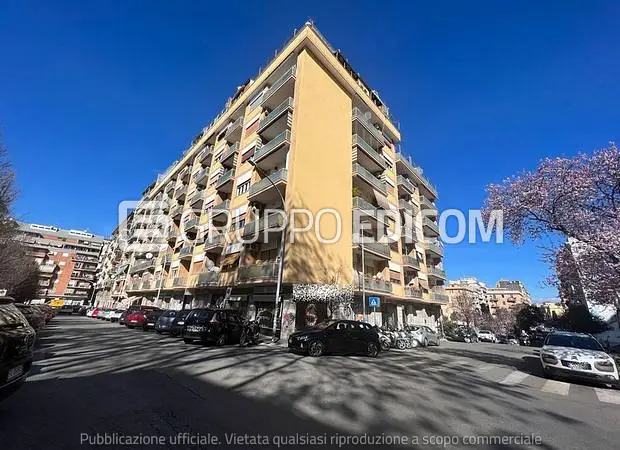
<point x="374" y="302"/>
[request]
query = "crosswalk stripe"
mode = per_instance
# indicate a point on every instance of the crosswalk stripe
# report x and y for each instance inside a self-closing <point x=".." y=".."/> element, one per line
<point x="556" y="387"/>
<point x="607" y="395"/>
<point x="514" y="378"/>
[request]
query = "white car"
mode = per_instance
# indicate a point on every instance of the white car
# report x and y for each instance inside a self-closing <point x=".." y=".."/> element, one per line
<point x="116" y="315"/>
<point x="577" y="355"/>
<point x="486" y="336"/>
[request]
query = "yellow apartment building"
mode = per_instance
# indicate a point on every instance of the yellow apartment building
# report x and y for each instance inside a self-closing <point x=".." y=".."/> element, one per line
<point x="307" y="129"/>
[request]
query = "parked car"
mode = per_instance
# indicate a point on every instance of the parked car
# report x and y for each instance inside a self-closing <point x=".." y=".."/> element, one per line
<point x="65" y="309"/>
<point x="34" y="316"/>
<point x="462" y="334"/>
<point x="509" y="339"/>
<point x="17" y="339"/>
<point x="123" y="317"/>
<point x="116" y="315"/>
<point x="425" y="336"/>
<point x="93" y="312"/>
<point x="577" y="355"/>
<point x="46" y="310"/>
<point x="336" y="337"/>
<point x="166" y="320"/>
<point x="486" y="336"/>
<point x="219" y="326"/>
<point x="176" y="329"/>
<point x="136" y="316"/>
<point x="150" y="319"/>
<point x="106" y="314"/>
<point x="83" y="310"/>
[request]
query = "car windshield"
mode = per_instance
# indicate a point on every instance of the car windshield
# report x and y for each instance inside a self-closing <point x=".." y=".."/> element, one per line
<point x="573" y="341"/>
<point x="170" y="314"/>
<point x="323" y="325"/>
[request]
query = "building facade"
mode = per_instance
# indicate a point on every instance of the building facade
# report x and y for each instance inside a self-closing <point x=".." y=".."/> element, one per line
<point x="306" y="133"/>
<point x="505" y="295"/>
<point x="67" y="260"/>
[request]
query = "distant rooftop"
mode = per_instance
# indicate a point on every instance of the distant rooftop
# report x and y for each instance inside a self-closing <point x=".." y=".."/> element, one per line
<point x="59" y="232"/>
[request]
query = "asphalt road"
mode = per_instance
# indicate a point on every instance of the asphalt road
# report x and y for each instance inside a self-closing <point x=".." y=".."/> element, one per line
<point x="93" y="378"/>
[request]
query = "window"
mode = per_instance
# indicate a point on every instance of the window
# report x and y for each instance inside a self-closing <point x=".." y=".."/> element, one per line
<point x="243" y="187"/>
<point x="237" y="225"/>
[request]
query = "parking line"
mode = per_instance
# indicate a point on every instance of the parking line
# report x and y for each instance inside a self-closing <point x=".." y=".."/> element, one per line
<point x="607" y="395"/>
<point x="556" y="387"/>
<point x="513" y="378"/>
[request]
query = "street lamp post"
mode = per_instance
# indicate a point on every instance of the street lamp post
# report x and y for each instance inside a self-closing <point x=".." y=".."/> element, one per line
<point x="281" y="256"/>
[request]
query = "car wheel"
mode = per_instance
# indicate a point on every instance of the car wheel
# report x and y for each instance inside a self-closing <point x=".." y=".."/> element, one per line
<point x="414" y="343"/>
<point x="385" y="345"/>
<point x="243" y="338"/>
<point x="221" y="340"/>
<point x="372" y="350"/>
<point x="316" y="349"/>
<point x="467" y="340"/>
<point x="188" y="341"/>
<point x="401" y="344"/>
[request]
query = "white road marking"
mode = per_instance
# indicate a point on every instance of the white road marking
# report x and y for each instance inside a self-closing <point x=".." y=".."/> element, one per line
<point x="556" y="387"/>
<point x="513" y="378"/>
<point x="607" y="395"/>
<point x="484" y="368"/>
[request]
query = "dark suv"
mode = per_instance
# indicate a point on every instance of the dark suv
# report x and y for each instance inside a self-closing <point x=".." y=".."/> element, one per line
<point x="220" y="326"/>
<point x="16" y="346"/>
<point x="345" y="337"/>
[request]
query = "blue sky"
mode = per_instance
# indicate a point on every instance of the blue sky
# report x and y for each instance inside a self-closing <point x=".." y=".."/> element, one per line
<point x="96" y="98"/>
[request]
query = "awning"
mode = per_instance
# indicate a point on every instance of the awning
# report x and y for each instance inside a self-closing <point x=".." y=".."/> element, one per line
<point x="230" y="259"/>
<point x="382" y="200"/>
<point x="423" y="283"/>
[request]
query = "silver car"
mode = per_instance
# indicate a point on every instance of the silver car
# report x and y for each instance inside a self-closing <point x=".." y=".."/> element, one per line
<point x="425" y="336"/>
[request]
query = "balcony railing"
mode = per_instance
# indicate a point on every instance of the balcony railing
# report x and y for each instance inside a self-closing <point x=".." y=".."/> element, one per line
<point x="408" y="206"/>
<point x="179" y="281"/>
<point x="167" y="259"/>
<point x="229" y="152"/>
<point x="430" y="224"/>
<point x="410" y="261"/>
<point x="146" y="264"/>
<point x="439" y="273"/>
<point x="220" y="207"/>
<point x="196" y="198"/>
<point x="201" y="176"/>
<point x="427" y="203"/>
<point x="214" y="241"/>
<point x="440" y="297"/>
<point x="191" y="223"/>
<point x="207" y="278"/>
<point x="413" y="292"/>
<point x="365" y="121"/>
<point x="406" y="183"/>
<point x="180" y="192"/>
<point x="417" y="171"/>
<point x="273" y="115"/>
<point x="262" y="223"/>
<point x="280" y="175"/>
<point x="204" y="153"/>
<point x="258" y="272"/>
<point x="273" y="144"/>
<point x="367" y="207"/>
<point x="371" y="152"/>
<point x="235" y="126"/>
<point x="147" y="285"/>
<point x="186" y="251"/>
<point x="279" y="82"/>
<point x="371" y="284"/>
<point x="225" y="177"/>
<point x="369" y="178"/>
<point x="376" y="247"/>
<point x="435" y="248"/>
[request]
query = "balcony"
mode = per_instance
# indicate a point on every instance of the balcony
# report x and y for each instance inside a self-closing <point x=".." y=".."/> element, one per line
<point x="406" y="185"/>
<point x="201" y="177"/>
<point x="233" y="132"/>
<point x="277" y="120"/>
<point x="181" y="193"/>
<point x="207" y="279"/>
<point x="440" y="297"/>
<point x="408" y="207"/>
<point x="434" y="249"/>
<point x="184" y="174"/>
<point x="367" y="208"/>
<point x="404" y="165"/>
<point x="280" y="90"/>
<point x="363" y="127"/>
<point x="228" y="157"/>
<point x="219" y="212"/>
<point x="413" y="293"/>
<point x="142" y="265"/>
<point x="411" y="262"/>
<point x="186" y="252"/>
<point x="196" y="199"/>
<point x="437" y="273"/>
<point x="258" y="273"/>
<point x="191" y="224"/>
<point x="264" y="191"/>
<point x="431" y="226"/>
<point x="371" y="180"/>
<point x="408" y="233"/>
<point x="179" y="282"/>
<point x="167" y="259"/>
<point x="146" y="285"/>
<point x="176" y="212"/>
<point x="269" y="155"/>
<point x="367" y="156"/>
<point x="215" y="243"/>
<point x="371" y="284"/>
<point x="203" y="155"/>
<point x="225" y="182"/>
<point x="261" y="224"/>
<point x="381" y="251"/>
<point x="426" y="203"/>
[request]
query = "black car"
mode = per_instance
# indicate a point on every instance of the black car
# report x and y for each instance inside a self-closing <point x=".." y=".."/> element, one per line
<point x="82" y="311"/>
<point x="121" y="319"/>
<point x="219" y="326"/>
<point x="34" y="317"/>
<point x="16" y="347"/>
<point x="166" y="320"/>
<point x="462" y="334"/>
<point x="150" y="319"/>
<point x="176" y="329"/>
<point x="338" y="337"/>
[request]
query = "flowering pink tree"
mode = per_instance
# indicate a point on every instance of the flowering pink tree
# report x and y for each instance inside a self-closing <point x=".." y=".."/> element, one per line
<point x="576" y="198"/>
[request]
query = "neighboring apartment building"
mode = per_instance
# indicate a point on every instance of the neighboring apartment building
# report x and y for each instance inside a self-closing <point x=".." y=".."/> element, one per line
<point x="67" y="260"/>
<point x="505" y="295"/>
<point x="309" y="128"/>
<point x="552" y="309"/>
